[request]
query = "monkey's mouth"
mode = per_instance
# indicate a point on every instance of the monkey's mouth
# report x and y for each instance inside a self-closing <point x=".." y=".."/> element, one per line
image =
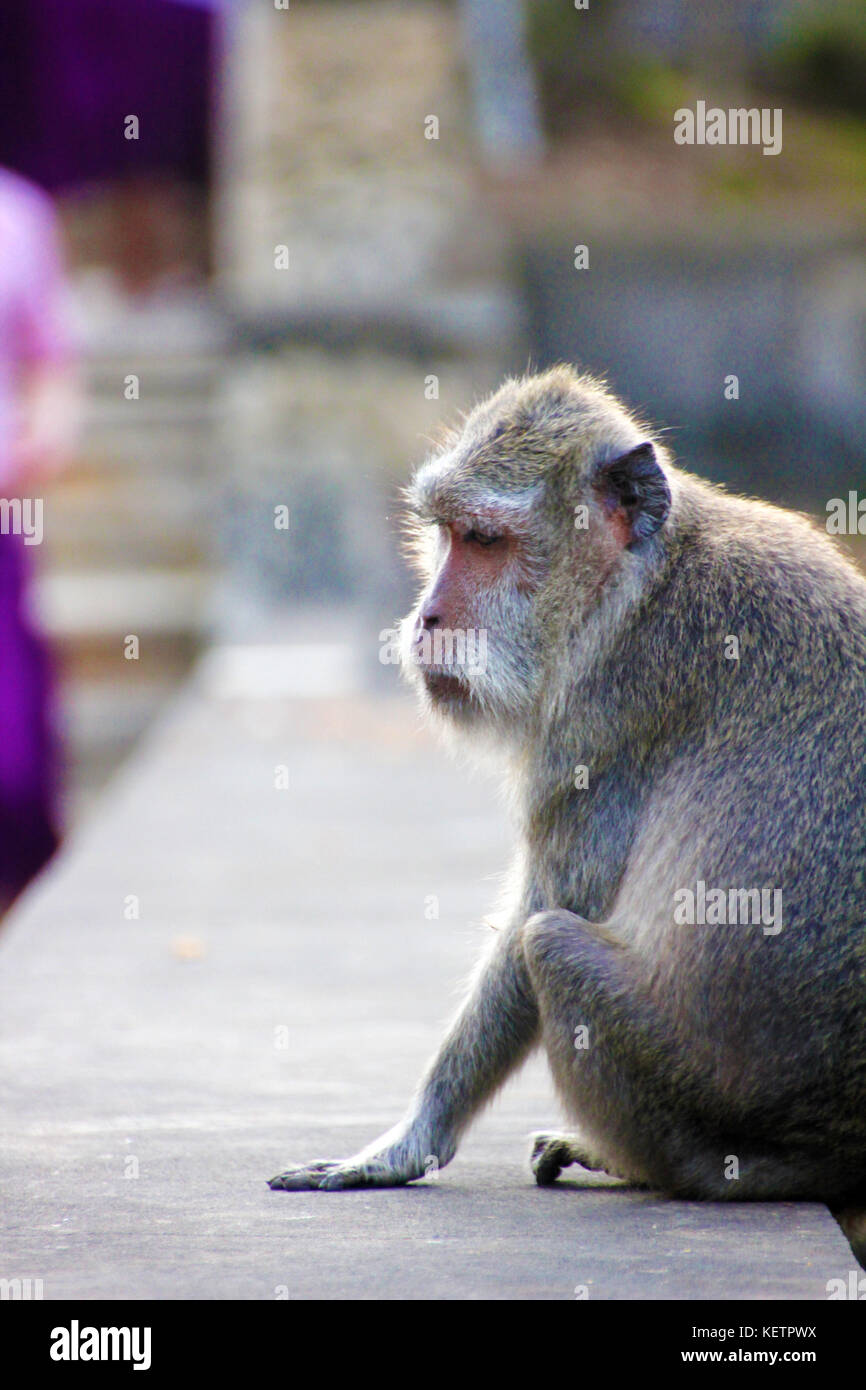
<point x="445" y="687"/>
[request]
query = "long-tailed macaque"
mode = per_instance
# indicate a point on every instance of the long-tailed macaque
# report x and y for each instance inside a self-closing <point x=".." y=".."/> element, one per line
<point x="676" y="681"/>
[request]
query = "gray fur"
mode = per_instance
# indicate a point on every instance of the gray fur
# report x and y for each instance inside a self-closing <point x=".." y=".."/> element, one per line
<point x="706" y="1043"/>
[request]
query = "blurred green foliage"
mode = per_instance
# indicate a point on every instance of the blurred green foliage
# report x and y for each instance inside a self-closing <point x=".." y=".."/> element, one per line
<point x="589" y="62"/>
<point x="574" y="65"/>
<point x="649" y="89"/>
<point x="820" y="58"/>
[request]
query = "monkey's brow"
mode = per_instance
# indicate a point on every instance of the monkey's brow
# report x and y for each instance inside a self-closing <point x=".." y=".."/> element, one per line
<point x="423" y="509"/>
<point x="433" y="504"/>
<point x="484" y="518"/>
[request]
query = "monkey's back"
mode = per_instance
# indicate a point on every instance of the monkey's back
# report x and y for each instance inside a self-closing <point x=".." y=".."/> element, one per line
<point x="761" y="787"/>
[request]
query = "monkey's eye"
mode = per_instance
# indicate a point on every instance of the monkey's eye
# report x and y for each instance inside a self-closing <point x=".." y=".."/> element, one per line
<point x="474" y="537"/>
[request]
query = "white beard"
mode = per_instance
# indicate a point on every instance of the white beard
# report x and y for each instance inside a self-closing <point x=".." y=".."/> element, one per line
<point x="474" y="680"/>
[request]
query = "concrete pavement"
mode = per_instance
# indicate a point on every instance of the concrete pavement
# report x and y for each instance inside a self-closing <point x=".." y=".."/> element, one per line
<point x="222" y="974"/>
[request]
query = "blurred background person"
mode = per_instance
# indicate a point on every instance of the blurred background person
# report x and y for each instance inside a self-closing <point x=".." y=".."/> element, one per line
<point x="37" y="426"/>
<point x="110" y="102"/>
<point x="105" y="127"/>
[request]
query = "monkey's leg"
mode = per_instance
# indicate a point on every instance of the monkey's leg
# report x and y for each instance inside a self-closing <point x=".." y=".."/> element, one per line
<point x="639" y="1083"/>
<point x="492" y="1034"/>
<point x="553" y="1152"/>
<point x="634" y="1082"/>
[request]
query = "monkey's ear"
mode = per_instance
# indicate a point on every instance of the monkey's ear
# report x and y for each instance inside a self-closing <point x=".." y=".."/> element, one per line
<point x="635" y="486"/>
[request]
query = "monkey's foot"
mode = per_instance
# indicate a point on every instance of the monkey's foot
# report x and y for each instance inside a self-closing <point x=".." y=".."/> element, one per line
<point x="553" y="1152"/>
<point x="333" y="1175"/>
<point x="853" y="1223"/>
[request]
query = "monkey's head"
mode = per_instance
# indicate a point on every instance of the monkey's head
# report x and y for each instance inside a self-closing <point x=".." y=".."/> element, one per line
<point x="549" y="494"/>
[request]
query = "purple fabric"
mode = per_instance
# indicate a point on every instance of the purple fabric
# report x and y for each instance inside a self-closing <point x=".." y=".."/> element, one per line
<point x="32" y="333"/>
<point x="72" y="70"/>
<point x="28" y="745"/>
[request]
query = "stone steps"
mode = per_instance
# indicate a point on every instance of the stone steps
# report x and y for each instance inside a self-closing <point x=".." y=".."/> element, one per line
<point x="128" y="528"/>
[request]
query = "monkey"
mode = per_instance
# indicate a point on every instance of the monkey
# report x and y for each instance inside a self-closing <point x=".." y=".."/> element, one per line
<point x="673" y="682"/>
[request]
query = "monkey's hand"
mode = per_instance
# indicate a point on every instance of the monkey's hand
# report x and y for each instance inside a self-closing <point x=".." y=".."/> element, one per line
<point x="399" y="1157"/>
<point x="332" y="1175"/>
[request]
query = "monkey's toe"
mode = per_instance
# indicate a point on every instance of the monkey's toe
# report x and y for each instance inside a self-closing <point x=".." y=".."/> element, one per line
<point x="553" y="1152"/>
<point x="550" y="1154"/>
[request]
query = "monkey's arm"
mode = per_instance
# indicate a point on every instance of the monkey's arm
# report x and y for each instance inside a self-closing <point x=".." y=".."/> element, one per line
<point x="492" y="1034"/>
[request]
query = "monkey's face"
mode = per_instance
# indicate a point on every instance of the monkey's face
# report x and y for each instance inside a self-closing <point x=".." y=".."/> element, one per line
<point x="470" y="645"/>
<point x="517" y="527"/>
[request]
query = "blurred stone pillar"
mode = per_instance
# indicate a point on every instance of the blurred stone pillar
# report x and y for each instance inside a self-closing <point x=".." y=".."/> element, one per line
<point x="503" y="86"/>
<point x="367" y="291"/>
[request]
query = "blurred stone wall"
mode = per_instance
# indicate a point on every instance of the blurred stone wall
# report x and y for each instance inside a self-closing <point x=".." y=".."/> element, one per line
<point x="669" y="321"/>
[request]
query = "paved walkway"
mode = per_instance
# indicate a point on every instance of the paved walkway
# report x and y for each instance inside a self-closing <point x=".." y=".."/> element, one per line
<point x="274" y="999"/>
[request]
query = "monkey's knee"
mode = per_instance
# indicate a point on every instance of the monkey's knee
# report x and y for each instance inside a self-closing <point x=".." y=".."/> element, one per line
<point x="544" y="935"/>
<point x="560" y="941"/>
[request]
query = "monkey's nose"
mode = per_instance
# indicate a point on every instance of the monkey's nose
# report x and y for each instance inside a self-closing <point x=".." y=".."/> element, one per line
<point x="428" y="618"/>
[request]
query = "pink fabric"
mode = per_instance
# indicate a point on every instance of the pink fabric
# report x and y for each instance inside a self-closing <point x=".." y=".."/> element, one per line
<point x="33" y="320"/>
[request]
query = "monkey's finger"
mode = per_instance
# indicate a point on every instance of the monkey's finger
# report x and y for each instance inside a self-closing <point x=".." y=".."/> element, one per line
<point x="346" y="1176"/>
<point x="302" y="1176"/>
<point x="328" y="1176"/>
<point x="372" y="1172"/>
<point x="292" y="1182"/>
